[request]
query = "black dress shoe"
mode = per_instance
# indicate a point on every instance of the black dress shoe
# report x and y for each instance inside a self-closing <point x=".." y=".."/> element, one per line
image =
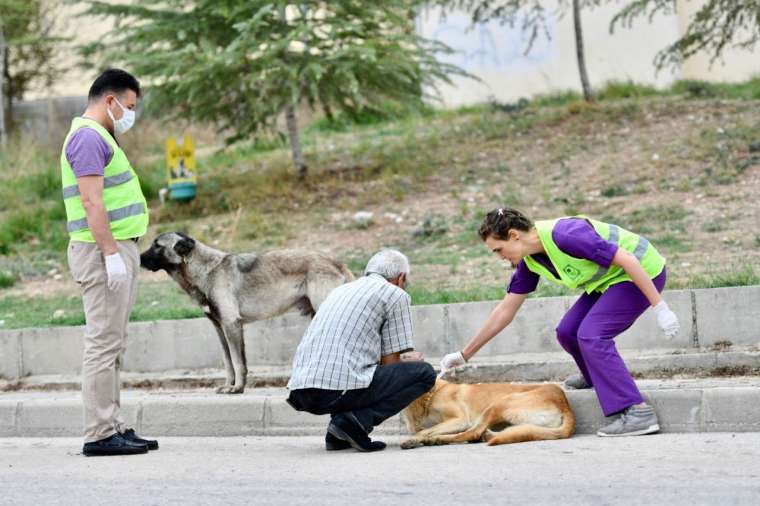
<point x="130" y="435"/>
<point x="332" y="443"/>
<point x="114" y="445"/>
<point x="346" y="427"/>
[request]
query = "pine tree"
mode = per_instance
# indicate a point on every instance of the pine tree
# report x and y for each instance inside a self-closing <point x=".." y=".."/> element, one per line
<point x="241" y="64"/>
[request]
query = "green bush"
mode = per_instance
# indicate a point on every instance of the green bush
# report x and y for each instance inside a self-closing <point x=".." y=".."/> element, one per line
<point x="615" y="191"/>
<point x="7" y="279"/>
<point x="616" y="90"/>
<point x="746" y="90"/>
<point x="556" y="99"/>
<point x="45" y="224"/>
<point x="694" y="88"/>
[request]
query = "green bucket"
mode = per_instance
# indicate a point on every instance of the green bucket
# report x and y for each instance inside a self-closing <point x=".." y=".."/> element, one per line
<point x="182" y="191"/>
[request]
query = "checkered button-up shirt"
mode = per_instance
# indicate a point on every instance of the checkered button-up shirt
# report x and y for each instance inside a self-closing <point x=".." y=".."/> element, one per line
<point x="356" y="325"/>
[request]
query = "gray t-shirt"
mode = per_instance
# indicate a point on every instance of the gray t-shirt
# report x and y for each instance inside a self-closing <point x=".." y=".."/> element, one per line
<point x="356" y="325"/>
<point x="88" y="153"/>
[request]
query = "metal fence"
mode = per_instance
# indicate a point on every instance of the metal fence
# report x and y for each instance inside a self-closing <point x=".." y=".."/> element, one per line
<point x="47" y="120"/>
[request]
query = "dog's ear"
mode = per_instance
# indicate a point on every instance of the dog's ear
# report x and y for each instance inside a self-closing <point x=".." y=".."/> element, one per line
<point x="184" y="245"/>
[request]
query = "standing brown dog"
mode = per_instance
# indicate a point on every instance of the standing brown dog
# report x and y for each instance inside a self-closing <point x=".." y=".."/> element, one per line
<point x="498" y="413"/>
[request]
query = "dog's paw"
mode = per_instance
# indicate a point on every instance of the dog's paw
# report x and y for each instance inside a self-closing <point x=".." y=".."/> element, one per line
<point x="230" y="389"/>
<point x="411" y="443"/>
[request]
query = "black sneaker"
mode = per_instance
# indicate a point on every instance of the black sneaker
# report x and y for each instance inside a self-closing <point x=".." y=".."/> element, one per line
<point x="113" y="445"/>
<point x="130" y="435"/>
<point x="332" y="443"/>
<point x="346" y="427"/>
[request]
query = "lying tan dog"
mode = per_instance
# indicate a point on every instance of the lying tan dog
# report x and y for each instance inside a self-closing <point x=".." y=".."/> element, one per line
<point x="498" y="413"/>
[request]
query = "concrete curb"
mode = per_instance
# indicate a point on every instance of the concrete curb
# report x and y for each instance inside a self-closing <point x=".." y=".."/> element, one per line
<point x="510" y="368"/>
<point x="556" y="367"/>
<point x="707" y="317"/>
<point x="680" y="407"/>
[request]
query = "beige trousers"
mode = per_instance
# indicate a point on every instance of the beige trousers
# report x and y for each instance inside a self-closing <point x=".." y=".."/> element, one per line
<point x="105" y="335"/>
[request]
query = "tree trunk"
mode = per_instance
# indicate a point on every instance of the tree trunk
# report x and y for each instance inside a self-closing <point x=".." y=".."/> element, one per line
<point x="587" y="94"/>
<point x="8" y="90"/>
<point x="328" y="111"/>
<point x="295" y="141"/>
<point x="3" y="133"/>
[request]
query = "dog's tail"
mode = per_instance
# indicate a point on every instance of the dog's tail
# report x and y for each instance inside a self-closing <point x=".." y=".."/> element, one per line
<point x="343" y="268"/>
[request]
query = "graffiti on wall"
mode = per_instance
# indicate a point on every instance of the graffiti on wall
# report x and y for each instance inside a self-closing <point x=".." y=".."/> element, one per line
<point x="489" y="45"/>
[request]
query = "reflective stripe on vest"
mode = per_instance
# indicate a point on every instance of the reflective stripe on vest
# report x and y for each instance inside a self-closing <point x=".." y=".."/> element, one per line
<point x="114" y="215"/>
<point x="108" y="182"/>
<point x="638" y="252"/>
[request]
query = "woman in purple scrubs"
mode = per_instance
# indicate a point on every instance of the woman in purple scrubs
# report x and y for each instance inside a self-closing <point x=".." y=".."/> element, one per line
<point x="622" y="275"/>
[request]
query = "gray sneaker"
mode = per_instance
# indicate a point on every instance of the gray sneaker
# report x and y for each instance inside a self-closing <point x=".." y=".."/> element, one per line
<point x="576" y="381"/>
<point x="634" y="421"/>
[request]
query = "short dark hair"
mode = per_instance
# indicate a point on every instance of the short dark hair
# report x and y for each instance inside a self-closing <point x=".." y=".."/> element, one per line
<point x="499" y="222"/>
<point x="113" y="81"/>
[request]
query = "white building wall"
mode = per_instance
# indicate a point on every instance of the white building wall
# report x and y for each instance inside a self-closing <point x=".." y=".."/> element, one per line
<point x="492" y="52"/>
<point x="495" y="54"/>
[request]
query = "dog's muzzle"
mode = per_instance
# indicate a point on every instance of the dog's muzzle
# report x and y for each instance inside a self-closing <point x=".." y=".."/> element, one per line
<point x="150" y="262"/>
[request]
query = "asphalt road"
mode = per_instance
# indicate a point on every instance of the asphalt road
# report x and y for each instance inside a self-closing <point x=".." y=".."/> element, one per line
<point x="673" y="469"/>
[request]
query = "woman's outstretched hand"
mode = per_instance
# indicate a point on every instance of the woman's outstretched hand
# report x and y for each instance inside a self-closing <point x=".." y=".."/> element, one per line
<point x="452" y="360"/>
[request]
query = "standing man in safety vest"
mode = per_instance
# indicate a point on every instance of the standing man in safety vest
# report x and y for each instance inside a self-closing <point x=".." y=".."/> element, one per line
<point x="106" y="213"/>
<point x="622" y="275"/>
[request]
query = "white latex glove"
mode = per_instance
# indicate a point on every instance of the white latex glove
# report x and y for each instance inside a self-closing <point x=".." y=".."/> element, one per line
<point x="667" y="320"/>
<point x="452" y="360"/>
<point x="117" y="271"/>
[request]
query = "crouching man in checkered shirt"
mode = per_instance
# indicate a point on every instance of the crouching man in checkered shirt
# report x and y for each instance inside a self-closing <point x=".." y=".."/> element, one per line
<point x="349" y="361"/>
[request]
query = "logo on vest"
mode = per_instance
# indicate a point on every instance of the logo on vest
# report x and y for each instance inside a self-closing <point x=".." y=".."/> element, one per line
<point x="571" y="272"/>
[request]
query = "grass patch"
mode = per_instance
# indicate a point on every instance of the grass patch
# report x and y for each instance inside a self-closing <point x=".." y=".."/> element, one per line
<point x="617" y="90"/>
<point x="643" y="220"/>
<point x="32" y="211"/>
<point x="747" y="90"/>
<point x="28" y="226"/>
<point x="625" y="90"/>
<point x="556" y="99"/>
<point x="739" y="277"/>
<point x="671" y="243"/>
<point x="155" y="301"/>
<point x="22" y="312"/>
<point x="422" y="295"/>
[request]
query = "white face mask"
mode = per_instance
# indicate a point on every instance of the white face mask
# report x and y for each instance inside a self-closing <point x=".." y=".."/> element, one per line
<point x="126" y="121"/>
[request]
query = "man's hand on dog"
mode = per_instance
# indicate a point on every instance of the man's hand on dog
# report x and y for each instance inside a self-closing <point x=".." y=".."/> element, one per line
<point x="412" y="356"/>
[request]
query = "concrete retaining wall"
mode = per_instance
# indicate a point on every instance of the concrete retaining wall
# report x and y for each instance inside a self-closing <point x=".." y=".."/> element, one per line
<point x="706" y="316"/>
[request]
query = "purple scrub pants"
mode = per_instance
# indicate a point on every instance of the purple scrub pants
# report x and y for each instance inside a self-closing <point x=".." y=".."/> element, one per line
<point x="587" y="330"/>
